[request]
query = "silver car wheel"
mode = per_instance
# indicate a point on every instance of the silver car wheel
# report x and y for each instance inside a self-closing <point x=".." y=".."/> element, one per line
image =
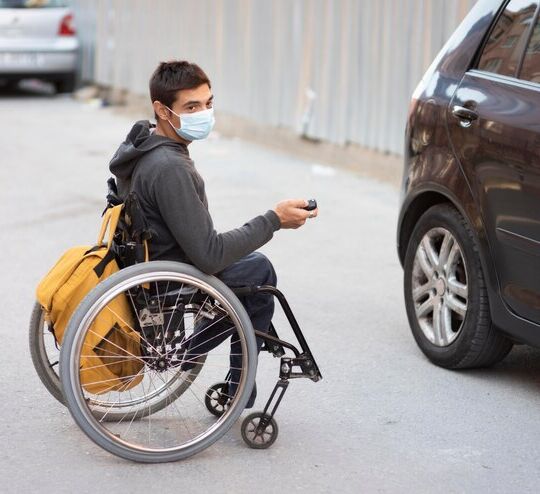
<point x="439" y="287"/>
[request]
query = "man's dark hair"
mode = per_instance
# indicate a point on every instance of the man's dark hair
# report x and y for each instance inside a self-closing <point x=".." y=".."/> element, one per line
<point x="171" y="77"/>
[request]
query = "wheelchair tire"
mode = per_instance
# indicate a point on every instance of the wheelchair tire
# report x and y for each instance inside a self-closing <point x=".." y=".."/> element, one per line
<point x="155" y="438"/>
<point x="44" y="353"/>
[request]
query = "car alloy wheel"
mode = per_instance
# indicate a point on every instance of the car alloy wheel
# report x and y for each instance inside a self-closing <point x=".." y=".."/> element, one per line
<point x="439" y="287"/>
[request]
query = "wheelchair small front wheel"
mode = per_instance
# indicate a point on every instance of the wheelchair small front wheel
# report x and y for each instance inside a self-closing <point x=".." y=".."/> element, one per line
<point x="146" y="344"/>
<point x="259" y="430"/>
<point x="217" y="399"/>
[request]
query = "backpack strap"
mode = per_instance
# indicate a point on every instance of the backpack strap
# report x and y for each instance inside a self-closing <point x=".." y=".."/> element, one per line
<point x="109" y="224"/>
<point x="101" y="265"/>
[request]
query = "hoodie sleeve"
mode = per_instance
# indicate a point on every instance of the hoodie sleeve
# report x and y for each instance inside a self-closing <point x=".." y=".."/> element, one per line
<point x="190" y="223"/>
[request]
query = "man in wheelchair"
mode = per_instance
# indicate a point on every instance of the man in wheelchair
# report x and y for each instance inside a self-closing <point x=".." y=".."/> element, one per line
<point x="154" y="164"/>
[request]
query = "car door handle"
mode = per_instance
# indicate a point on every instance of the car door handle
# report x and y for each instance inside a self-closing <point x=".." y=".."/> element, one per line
<point x="464" y="113"/>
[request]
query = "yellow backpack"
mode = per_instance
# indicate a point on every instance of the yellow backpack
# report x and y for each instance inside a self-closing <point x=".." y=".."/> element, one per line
<point x="78" y="271"/>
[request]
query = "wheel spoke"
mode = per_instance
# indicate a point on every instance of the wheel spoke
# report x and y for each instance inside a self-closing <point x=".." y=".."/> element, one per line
<point x="456" y="306"/>
<point x="437" y="331"/>
<point x="425" y="308"/>
<point x="424" y="262"/>
<point x="431" y="254"/>
<point x="446" y="246"/>
<point x="453" y="257"/>
<point x="457" y="288"/>
<point x="420" y="291"/>
<point x="446" y="325"/>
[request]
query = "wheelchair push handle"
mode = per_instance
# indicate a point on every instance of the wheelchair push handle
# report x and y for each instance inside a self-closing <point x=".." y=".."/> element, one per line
<point x="312" y="204"/>
<point x="113" y="199"/>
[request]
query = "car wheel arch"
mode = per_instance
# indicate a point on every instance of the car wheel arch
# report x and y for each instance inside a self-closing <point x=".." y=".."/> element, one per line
<point x="428" y="197"/>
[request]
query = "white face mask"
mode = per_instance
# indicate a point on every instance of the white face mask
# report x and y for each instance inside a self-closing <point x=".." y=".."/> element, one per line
<point x="194" y="126"/>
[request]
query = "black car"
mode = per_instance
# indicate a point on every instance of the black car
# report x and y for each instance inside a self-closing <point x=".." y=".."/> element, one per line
<point x="469" y="225"/>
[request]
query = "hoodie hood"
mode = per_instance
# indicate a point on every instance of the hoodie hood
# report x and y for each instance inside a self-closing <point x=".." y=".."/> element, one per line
<point x="140" y="140"/>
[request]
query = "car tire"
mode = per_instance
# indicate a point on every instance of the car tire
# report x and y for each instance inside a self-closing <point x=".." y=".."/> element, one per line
<point x="461" y="334"/>
<point x="66" y="84"/>
<point x="12" y="85"/>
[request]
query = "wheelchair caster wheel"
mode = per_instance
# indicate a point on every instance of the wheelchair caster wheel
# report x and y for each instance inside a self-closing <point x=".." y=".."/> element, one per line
<point x="259" y="430"/>
<point x="217" y="399"/>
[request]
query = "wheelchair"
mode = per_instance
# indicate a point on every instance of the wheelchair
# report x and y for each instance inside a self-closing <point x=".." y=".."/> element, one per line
<point x="185" y="393"/>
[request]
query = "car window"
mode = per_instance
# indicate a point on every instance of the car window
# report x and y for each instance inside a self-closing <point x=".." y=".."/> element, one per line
<point x="31" y="4"/>
<point x="502" y="52"/>
<point x="531" y="62"/>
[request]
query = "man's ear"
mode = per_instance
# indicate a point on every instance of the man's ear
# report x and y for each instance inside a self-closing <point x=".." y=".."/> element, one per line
<point x="160" y="110"/>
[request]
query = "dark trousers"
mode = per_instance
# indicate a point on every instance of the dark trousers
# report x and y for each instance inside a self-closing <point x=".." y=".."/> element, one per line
<point x="252" y="270"/>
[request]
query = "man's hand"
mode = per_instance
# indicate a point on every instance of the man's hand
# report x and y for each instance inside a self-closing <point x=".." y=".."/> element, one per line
<point x="291" y="213"/>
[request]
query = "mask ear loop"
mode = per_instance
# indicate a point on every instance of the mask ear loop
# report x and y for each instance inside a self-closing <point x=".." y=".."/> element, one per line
<point x="172" y="111"/>
<point x="179" y="120"/>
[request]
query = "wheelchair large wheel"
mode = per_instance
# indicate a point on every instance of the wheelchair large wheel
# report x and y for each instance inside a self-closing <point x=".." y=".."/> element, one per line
<point x="215" y="331"/>
<point x="45" y="357"/>
<point x="44" y="352"/>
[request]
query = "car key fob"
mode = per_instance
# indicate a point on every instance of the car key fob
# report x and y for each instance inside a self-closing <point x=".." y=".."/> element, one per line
<point x="312" y="204"/>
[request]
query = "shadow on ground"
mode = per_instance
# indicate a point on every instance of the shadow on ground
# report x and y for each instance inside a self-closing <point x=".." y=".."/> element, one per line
<point x="521" y="369"/>
<point x="26" y="88"/>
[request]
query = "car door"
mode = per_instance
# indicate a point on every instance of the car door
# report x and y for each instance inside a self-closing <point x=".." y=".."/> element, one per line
<point x="494" y="126"/>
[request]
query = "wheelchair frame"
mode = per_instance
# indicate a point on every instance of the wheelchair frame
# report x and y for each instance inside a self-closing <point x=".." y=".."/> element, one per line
<point x="302" y="358"/>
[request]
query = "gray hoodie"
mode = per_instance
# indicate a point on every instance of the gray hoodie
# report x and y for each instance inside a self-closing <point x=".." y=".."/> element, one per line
<point x="171" y="192"/>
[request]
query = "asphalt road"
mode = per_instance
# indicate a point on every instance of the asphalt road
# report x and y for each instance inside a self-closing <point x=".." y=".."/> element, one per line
<point x="382" y="420"/>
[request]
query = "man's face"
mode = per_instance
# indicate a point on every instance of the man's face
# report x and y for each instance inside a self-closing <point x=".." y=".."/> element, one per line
<point x="187" y="101"/>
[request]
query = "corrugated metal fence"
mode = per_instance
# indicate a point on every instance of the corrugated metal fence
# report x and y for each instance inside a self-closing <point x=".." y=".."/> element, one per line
<point x="338" y="70"/>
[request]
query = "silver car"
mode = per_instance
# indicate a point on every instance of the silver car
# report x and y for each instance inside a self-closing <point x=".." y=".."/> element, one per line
<point x="38" y="40"/>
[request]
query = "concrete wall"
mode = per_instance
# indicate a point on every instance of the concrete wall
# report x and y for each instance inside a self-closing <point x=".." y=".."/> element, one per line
<point x="341" y="71"/>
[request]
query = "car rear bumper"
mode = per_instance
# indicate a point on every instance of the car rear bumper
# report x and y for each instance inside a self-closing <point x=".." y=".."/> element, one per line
<point x="29" y="57"/>
<point x="37" y="62"/>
